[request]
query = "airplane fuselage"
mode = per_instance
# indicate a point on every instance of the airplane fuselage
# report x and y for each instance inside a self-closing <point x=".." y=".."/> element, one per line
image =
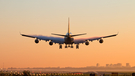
<point x="68" y="39"/>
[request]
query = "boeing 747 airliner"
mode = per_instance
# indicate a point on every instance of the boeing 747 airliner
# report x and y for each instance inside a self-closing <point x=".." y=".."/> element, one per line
<point x="67" y="39"/>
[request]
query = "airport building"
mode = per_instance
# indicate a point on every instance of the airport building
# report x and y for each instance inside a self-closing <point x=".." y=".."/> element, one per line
<point x="127" y="65"/>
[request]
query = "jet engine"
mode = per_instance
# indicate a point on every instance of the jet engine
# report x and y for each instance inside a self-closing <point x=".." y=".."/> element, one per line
<point x="101" y="41"/>
<point x="36" y="41"/>
<point x="51" y="43"/>
<point x="86" y="43"/>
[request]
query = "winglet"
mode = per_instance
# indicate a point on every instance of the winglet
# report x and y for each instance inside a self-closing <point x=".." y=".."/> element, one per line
<point x="20" y="33"/>
<point x="117" y="33"/>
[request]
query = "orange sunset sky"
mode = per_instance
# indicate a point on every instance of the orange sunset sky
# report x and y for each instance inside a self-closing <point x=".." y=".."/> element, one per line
<point x="43" y="17"/>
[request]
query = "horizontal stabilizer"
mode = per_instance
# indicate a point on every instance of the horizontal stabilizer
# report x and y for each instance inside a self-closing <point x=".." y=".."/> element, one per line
<point x="79" y="34"/>
<point x="58" y="34"/>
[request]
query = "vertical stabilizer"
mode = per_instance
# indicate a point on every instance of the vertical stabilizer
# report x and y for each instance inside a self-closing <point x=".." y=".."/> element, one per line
<point x="68" y="25"/>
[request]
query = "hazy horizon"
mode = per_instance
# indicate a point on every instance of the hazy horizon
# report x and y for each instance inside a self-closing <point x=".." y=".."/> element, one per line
<point x="96" y="18"/>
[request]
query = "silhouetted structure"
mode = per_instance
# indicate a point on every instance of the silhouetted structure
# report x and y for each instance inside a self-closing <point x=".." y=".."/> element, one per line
<point x="92" y="74"/>
<point x="133" y="74"/>
<point x="127" y="65"/>
<point x="114" y="65"/>
<point x="97" y="65"/>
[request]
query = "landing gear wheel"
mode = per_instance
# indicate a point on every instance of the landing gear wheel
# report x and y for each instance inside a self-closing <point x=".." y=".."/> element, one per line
<point x="77" y="46"/>
<point x="60" y="47"/>
<point x="66" y="46"/>
<point x="71" y="46"/>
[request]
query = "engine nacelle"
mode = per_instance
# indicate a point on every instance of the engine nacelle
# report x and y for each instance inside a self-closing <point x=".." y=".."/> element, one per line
<point x="101" y="41"/>
<point x="36" y="41"/>
<point x="51" y="43"/>
<point x="86" y="43"/>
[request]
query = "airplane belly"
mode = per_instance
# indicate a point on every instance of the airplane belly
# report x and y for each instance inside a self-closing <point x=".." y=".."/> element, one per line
<point x="69" y="40"/>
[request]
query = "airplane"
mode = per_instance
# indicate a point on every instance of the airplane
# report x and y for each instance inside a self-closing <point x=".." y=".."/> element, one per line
<point x="67" y="39"/>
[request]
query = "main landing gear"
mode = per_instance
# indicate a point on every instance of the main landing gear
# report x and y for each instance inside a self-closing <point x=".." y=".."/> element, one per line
<point x="77" y="46"/>
<point x="66" y="46"/>
<point x="60" y="47"/>
<point x="69" y="46"/>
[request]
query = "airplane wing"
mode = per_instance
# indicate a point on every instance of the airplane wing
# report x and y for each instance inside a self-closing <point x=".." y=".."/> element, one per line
<point x="82" y="40"/>
<point x="46" y="38"/>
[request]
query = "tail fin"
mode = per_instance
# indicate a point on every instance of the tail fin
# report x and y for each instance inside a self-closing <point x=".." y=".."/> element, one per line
<point x="68" y="25"/>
